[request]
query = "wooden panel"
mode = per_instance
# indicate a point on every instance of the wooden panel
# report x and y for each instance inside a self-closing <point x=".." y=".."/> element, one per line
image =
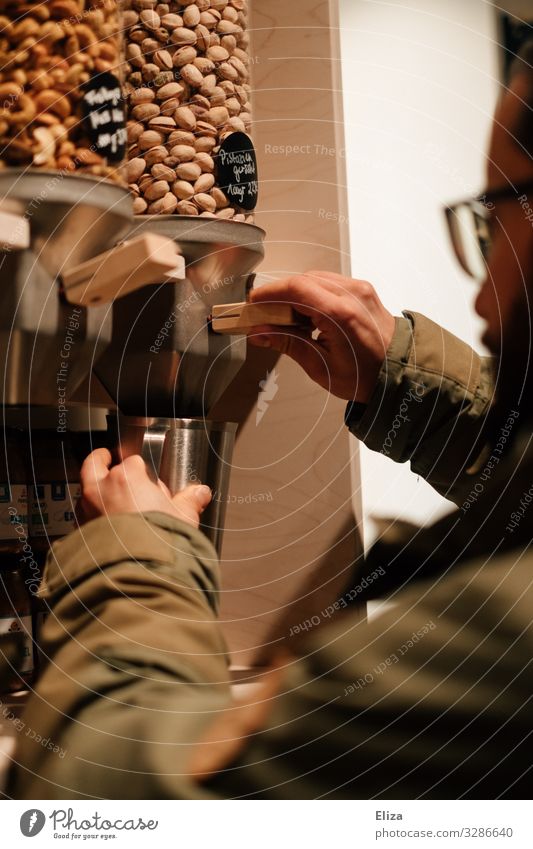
<point x="291" y="538"/>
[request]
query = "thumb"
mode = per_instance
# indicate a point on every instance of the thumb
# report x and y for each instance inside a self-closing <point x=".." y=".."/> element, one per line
<point x="191" y="502"/>
<point x="297" y="344"/>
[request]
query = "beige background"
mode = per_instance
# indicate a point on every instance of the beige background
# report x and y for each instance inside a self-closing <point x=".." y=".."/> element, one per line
<point x="285" y="558"/>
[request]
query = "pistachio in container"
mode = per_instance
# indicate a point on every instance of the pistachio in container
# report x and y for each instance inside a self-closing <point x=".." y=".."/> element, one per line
<point x="189" y="112"/>
<point x="61" y="105"/>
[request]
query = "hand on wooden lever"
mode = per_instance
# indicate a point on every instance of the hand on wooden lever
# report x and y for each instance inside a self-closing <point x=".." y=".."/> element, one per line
<point x="355" y="330"/>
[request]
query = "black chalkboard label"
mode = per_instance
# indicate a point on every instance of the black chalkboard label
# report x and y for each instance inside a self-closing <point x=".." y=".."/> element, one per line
<point x="237" y="171"/>
<point x="104" y="118"/>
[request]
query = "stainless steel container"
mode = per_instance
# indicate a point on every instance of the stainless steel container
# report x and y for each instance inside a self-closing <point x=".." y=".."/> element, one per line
<point x="181" y="452"/>
<point x="164" y="359"/>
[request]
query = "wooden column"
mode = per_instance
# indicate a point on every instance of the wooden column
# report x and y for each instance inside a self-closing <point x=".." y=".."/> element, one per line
<point x="291" y="537"/>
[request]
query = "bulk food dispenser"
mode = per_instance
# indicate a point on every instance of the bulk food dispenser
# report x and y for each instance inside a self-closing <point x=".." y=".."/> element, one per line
<point x="127" y="187"/>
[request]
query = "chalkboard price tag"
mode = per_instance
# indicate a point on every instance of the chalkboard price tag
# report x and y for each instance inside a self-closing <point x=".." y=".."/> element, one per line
<point x="104" y="118"/>
<point x="237" y="171"/>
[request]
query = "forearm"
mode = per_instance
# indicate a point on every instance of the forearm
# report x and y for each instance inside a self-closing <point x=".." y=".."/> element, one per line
<point x="136" y="663"/>
<point x="429" y="406"/>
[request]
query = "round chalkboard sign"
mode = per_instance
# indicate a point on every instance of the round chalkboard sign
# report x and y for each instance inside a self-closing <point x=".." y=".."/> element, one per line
<point x="104" y="118"/>
<point x="237" y="171"/>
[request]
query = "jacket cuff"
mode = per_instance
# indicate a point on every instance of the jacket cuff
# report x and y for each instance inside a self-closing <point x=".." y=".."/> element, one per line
<point x="149" y="539"/>
<point x="360" y="418"/>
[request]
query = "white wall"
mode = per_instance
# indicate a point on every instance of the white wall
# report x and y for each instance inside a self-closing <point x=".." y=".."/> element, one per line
<point x="420" y="83"/>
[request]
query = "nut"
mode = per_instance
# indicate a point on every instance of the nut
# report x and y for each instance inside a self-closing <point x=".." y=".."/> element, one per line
<point x="163" y="206"/>
<point x="182" y="36"/>
<point x="183" y="153"/>
<point x="185" y="207"/>
<point x="46" y="146"/>
<point x="150" y="138"/>
<point x="150" y="19"/>
<point x="217" y="54"/>
<point x="185" y="118"/>
<point x="189" y="171"/>
<point x="206" y="162"/>
<point x="155" y="155"/>
<point x="163" y="172"/>
<point x="187" y="81"/>
<point x="191" y="16"/>
<point x="219" y="197"/>
<point x="204" y="183"/>
<point x="205" y="202"/>
<point x="141" y="95"/>
<point x="182" y="189"/>
<point x="218" y="116"/>
<point x="192" y="75"/>
<point x="144" y="111"/>
<point x="135" y="169"/>
<point x="168" y="90"/>
<point x="180" y="137"/>
<point x="184" y="56"/>
<point x="156" y="190"/>
<point x="139" y="206"/>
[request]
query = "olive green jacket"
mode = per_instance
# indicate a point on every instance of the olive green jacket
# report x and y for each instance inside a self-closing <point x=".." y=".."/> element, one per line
<point x="431" y="699"/>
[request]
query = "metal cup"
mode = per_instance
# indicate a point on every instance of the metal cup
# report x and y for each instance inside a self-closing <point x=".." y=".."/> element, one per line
<point x="180" y="452"/>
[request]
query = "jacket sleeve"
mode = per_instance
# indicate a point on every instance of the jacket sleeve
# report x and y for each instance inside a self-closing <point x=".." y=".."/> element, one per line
<point x="429" y="406"/>
<point x="134" y="663"/>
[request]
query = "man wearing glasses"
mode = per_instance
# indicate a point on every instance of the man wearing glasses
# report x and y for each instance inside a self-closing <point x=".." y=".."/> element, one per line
<point x="433" y="699"/>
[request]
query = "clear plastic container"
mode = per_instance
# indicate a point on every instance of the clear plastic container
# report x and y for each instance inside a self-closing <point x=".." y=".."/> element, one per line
<point x="61" y="105"/>
<point x="189" y="112"/>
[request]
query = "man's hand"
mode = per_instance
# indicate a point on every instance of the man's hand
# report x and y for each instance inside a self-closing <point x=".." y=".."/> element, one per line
<point x="355" y="331"/>
<point x="126" y="488"/>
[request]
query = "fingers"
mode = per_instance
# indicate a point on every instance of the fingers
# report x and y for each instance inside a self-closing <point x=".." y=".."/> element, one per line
<point x="95" y="468"/>
<point x="313" y="296"/>
<point x="191" y="502"/>
<point x="198" y="494"/>
<point x="296" y="344"/>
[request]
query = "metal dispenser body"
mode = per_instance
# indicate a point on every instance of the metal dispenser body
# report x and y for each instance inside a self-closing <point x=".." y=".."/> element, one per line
<point x="164" y="359"/>
<point x="153" y="350"/>
<point x="45" y="342"/>
<point x="165" y="368"/>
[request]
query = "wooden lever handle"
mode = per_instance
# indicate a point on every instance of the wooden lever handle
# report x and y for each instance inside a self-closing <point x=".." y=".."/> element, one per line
<point x="15" y="230"/>
<point x="240" y="318"/>
<point x="146" y="260"/>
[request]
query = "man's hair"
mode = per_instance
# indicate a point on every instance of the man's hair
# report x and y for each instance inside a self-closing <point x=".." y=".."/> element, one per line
<point x="523" y="66"/>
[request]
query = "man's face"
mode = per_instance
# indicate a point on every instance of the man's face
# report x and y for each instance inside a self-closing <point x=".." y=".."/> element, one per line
<point x="505" y="299"/>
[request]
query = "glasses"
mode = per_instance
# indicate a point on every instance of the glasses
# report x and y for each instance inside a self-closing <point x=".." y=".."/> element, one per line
<point x="469" y="227"/>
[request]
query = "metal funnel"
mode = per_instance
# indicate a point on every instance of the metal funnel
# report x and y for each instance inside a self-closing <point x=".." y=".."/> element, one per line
<point x="72" y="218"/>
<point x="164" y="360"/>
